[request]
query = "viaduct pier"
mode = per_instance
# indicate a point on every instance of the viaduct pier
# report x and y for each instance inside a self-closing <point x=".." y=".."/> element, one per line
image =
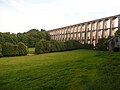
<point x="87" y="32"/>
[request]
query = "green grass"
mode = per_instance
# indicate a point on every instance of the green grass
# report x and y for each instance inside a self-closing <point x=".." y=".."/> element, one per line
<point x="31" y="50"/>
<point x="71" y="70"/>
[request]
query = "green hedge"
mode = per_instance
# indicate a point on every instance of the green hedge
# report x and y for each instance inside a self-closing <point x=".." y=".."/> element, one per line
<point x="102" y="45"/>
<point x="0" y="50"/>
<point x="9" y="49"/>
<point x="48" y="46"/>
<point x="22" y="49"/>
<point x="55" y="46"/>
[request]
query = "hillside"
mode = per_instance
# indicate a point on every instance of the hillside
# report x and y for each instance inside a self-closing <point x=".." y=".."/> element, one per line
<point x="71" y="70"/>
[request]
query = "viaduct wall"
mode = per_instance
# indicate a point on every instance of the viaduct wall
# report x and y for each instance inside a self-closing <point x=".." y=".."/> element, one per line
<point x="87" y="32"/>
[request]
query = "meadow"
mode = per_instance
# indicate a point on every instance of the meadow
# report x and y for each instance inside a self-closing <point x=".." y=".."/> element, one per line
<point x="31" y="51"/>
<point x="69" y="70"/>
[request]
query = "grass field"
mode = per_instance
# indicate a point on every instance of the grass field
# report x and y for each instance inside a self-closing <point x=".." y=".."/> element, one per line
<point x="71" y="70"/>
<point x="31" y="50"/>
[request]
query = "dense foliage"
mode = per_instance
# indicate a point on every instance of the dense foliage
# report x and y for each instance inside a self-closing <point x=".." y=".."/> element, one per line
<point x="0" y="50"/>
<point x="102" y="45"/>
<point x="29" y="38"/>
<point x="103" y="42"/>
<point x="9" y="49"/>
<point x="49" y="46"/>
<point x="16" y="44"/>
<point x="55" y="46"/>
<point x="39" y="48"/>
<point x="22" y="49"/>
<point x="87" y="46"/>
<point x="72" y="44"/>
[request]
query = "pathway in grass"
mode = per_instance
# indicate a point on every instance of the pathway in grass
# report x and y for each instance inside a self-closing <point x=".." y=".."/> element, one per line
<point x="71" y="70"/>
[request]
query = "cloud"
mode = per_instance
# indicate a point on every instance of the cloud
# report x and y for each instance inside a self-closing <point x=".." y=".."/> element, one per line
<point x="23" y="15"/>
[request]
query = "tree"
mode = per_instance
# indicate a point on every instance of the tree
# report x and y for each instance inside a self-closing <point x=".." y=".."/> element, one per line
<point x="32" y="41"/>
<point x="23" y="50"/>
<point x="29" y="38"/>
<point x="2" y="40"/>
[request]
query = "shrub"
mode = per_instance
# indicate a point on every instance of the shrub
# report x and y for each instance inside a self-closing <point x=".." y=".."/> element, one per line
<point x="101" y="45"/>
<point x="61" y="46"/>
<point x="7" y="49"/>
<point x="76" y="44"/>
<point x="87" y="46"/>
<point x="0" y="50"/>
<point x="45" y="46"/>
<point x="23" y="50"/>
<point x="16" y="50"/>
<point x="39" y="48"/>
<point x="72" y="44"/>
<point x="68" y="45"/>
<point x="54" y="46"/>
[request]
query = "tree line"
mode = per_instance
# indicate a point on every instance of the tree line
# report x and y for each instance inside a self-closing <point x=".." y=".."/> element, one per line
<point x="29" y="38"/>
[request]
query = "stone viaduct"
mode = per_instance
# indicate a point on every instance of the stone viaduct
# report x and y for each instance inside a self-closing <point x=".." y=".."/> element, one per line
<point x="87" y="32"/>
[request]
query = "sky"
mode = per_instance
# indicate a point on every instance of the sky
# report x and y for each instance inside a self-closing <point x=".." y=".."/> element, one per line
<point x="23" y="15"/>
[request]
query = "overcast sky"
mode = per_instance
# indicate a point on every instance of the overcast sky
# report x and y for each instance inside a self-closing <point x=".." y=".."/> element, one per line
<point x="23" y="15"/>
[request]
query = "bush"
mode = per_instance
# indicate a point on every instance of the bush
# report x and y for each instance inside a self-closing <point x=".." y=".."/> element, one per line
<point x="0" y="50"/>
<point x="23" y="50"/>
<point x="76" y="44"/>
<point x="16" y="50"/>
<point x="7" y="49"/>
<point x="55" y="46"/>
<point x="49" y="46"/>
<point x="39" y="48"/>
<point x="87" y="46"/>
<point x="61" y="46"/>
<point x="68" y="45"/>
<point x="45" y="47"/>
<point x="72" y="44"/>
<point x="101" y="45"/>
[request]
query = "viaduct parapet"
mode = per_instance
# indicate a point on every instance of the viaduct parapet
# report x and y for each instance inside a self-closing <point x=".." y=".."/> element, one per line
<point x="88" y="32"/>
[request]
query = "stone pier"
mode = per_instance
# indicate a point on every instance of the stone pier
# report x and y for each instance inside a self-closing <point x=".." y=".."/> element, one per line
<point x="87" y="32"/>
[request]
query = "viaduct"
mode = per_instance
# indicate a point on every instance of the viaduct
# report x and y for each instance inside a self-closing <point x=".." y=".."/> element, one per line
<point x="87" y="32"/>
